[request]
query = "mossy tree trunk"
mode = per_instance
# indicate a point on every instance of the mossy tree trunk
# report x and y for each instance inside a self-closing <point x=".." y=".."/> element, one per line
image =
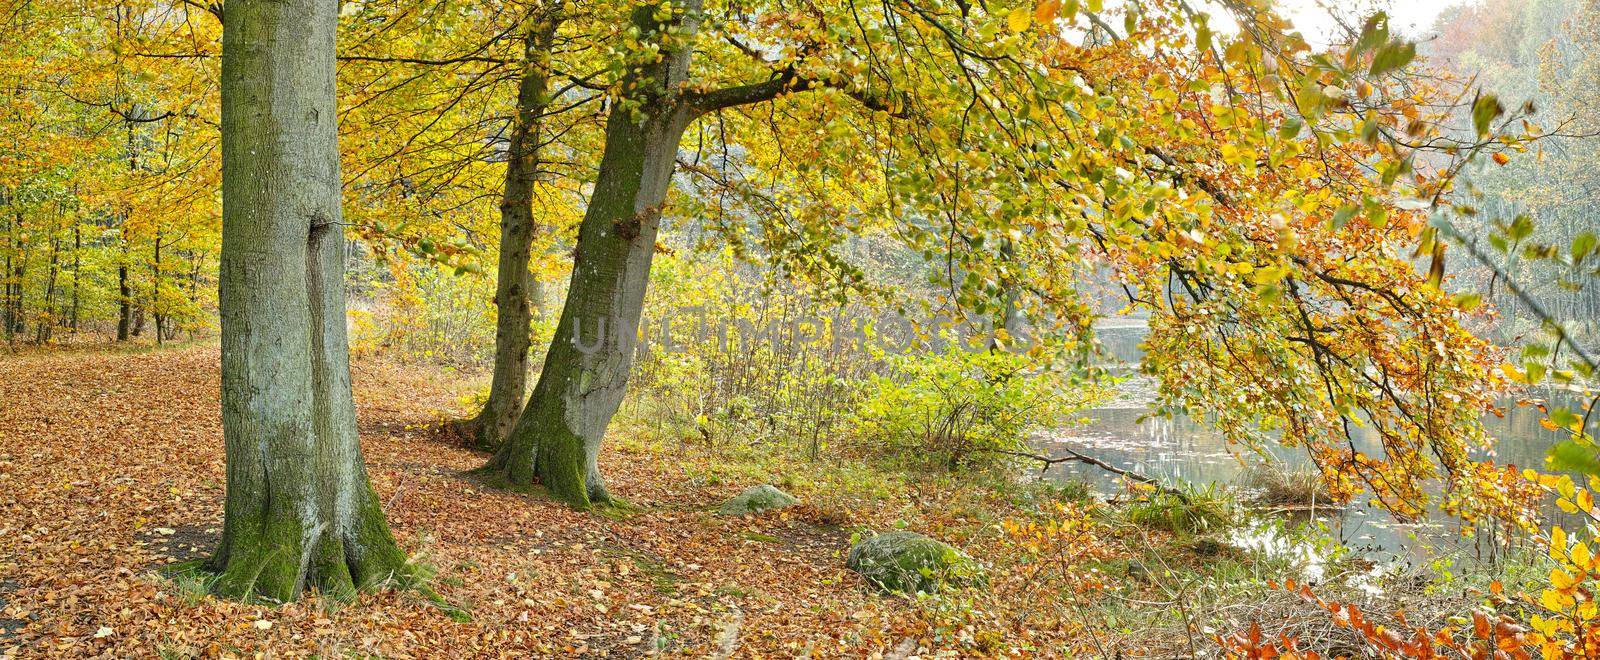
<point x="299" y="514"/>
<point x="516" y="290"/>
<point x="556" y="441"/>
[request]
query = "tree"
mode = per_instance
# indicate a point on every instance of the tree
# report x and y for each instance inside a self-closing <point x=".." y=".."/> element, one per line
<point x="516" y="290"/>
<point x="300" y="513"/>
<point x="556" y="442"/>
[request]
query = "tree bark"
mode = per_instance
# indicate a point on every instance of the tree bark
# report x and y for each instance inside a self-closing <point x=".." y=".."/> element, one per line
<point x="556" y="441"/>
<point x="77" y="263"/>
<point x="515" y="287"/>
<point x="124" y="298"/>
<point x="300" y="513"/>
<point x="16" y="320"/>
<point x="47" y="317"/>
<point x="155" y="291"/>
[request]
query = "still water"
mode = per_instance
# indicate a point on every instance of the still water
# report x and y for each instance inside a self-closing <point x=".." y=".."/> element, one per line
<point x="1182" y="449"/>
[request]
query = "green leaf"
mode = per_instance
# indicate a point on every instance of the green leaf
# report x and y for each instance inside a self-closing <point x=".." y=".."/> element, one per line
<point x="1565" y="418"/>
<point x="1310" y="99"/>
<point x="1290" y="129"/>
<point x="1584" y="245"/>
<point x="1499" y="243"/>
<point x="1374" y="32"/>
<point x="1521" y="227"/>
<point x="1393" y="56"/>
<point x="1484" y="111"/>
<point x="1343" y="216"/>
<point x="1574" y="457"/>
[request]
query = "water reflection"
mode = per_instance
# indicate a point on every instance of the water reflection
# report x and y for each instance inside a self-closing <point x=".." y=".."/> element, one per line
<point x="1182" y="449"/>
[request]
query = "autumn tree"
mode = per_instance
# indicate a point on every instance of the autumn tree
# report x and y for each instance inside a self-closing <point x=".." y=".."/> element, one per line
<point x="517" y="291"/>
<point x="300" y="514"/>
<point x="557" y="441"/>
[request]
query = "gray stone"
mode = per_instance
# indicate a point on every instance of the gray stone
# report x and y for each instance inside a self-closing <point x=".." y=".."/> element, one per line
<point x="907" y="562"/>
<point x="757" y="499"/>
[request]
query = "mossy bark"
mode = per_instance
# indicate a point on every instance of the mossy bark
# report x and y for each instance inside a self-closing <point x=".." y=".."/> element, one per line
<point x="299" y="513"/>
<point x="516" y="290"/>
<point x="556" y="441"/>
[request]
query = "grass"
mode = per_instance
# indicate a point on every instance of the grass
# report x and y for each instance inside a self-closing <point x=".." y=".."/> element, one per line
<point x="1187" y="510"/>
<point x="1279" y="486"/>
<point x="190" y="580"/>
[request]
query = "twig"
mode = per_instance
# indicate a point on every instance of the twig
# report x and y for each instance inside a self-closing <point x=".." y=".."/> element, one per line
<point x="1075" y="457"/>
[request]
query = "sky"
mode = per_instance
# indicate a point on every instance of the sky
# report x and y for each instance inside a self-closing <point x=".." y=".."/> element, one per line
<point x="1409" y="17"/>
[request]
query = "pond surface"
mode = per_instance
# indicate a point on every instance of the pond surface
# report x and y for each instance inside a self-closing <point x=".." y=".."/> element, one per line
<point x="1181" y="449"/>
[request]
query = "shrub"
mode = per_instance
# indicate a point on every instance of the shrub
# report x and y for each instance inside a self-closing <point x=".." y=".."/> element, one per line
<point x="960" y="406"/>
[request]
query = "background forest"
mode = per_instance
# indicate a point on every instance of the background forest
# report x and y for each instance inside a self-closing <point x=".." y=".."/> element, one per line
<point x="1153" y="329"/>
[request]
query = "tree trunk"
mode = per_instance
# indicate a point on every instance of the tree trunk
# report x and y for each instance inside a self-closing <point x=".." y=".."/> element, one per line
<point x="515" y="287"/>
<point x="16" y="315"/>
<point x="300" y="513"/>
<point x="556" y="442"/>
<point x="155" y="292"/>
<point x="47" y="318"/>
<point x="77" y="262"/>
<point x="124" y="295"/>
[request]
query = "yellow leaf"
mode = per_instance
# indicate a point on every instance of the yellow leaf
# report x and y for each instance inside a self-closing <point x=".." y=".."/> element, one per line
<point x="1019" y="20"/>
<point x="1512" y="372"/>
<point x="1501" y="159"/>
<point x="1562" y="580"/>
<point x="1553" y="600"/>
<point x="1581" y="556"/>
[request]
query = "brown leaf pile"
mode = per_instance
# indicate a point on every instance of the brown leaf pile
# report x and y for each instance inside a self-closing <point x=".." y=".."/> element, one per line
<point x="111" y="466"/>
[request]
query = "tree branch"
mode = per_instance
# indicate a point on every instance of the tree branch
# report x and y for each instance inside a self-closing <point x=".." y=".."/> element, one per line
<point x="787" y="81"/>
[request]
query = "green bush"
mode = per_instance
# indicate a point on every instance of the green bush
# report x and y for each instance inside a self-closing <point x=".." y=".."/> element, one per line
<point x="960" y="406"/>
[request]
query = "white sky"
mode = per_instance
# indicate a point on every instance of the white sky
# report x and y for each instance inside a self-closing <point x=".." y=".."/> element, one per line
<point x="1411" y="17"/>
<point x="1311" y="17"/>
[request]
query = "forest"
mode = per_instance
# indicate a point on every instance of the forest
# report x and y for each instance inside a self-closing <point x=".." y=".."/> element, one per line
<point x="799" y="328"/>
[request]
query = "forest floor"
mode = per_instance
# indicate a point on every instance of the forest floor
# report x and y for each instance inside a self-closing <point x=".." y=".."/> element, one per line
<point x="111" y="466"/>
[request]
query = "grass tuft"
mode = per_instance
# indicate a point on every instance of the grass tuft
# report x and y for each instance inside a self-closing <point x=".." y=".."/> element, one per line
<point x="1188" y="510"/>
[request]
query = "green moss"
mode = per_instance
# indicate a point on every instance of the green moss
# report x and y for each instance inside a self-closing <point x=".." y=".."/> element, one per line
<point x="560" y="467"/>
<point x="266" y="557"/>
<point x="662" y="579"/>
<point x="263" y="560"/>
<point x="617" y="508"/>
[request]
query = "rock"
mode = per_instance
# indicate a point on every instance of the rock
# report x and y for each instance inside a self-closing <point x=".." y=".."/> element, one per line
<point x="908" y="562"/>
<point x="756" y="499"/>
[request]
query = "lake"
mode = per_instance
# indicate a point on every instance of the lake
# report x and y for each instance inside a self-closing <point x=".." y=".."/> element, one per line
<point x="1176" y="449"/>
